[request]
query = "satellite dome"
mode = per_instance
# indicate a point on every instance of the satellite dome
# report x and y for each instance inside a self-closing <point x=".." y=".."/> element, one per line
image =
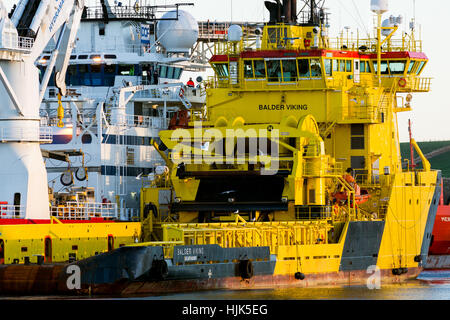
<point x="177" y="35"/>
<point x="234" y="33"/>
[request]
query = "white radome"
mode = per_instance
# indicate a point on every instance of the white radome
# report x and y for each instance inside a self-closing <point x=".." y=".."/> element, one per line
<point x="379" y="6"/>
<point x="177" y="35"/>
<point x="234" y="33"/>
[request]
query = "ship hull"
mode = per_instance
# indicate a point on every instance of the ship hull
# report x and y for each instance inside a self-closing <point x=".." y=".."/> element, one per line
<point x="439" y="254"/>
<point x="51" y="280"/>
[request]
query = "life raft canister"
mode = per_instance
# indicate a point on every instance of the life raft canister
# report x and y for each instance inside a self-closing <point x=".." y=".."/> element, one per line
<point x="402" y="83"/>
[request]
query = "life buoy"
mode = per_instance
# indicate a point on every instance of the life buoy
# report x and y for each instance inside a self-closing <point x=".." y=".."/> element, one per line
<point x="307" y="43"/>
<point x="246" y="269"/>
<point x="402" y="83"/>
<point x="181" y="92"/>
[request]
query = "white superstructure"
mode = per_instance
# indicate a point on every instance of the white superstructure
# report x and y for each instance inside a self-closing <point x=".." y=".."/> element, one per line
<point x="24" y="178"/>
<point x="123" y="87"/>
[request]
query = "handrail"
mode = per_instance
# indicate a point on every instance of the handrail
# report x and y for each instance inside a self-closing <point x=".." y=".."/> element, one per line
<point x="8" y="211"/>
<point x="85" y="211"/>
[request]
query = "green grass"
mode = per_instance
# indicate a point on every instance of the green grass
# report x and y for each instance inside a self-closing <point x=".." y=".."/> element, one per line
<point x="441" y="162"/>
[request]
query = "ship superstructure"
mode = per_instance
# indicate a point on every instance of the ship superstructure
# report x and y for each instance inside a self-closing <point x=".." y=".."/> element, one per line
<point x="123" y="82"/>
<point x="291" y="176"/>
<point x="299" y="151"/>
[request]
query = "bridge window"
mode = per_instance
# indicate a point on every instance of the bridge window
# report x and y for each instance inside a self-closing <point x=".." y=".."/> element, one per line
<point x="110" y="74"/>
<point x="85" y="77"/>
<point x="273" y="70"/>
<point x="365" y="66"/>
<point x="384" y="67"/>
<point x="248" y="69"/>
<point x="411" y="66"/>
<point x="420" y="68"/>
<point x="110" y="56"/>
<point x="342" y="65"/>
<point x="170" y="73"/>
<point x="289" y="70"/>
<point x="177" y="73"/>
<point x="260" y="69"/>
<point x="303" y="68"/>
<point x="72" y="76"/>
<point x="221" y="70"/>
<point x="126" y="70"/>
<point x="397" y="67"/>
<point x="328" y="67"/>
<point x="335" y="65"/>
<point x="96" y="74"/>
<point x="349" y="66"/>
<point x="316" y="68"/>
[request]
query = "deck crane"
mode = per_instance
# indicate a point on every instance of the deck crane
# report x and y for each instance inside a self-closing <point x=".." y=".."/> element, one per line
<point x="23" y="38"/>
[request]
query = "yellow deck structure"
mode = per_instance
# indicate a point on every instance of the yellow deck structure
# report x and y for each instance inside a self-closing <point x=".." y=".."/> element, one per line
<point x="283" y="120"/>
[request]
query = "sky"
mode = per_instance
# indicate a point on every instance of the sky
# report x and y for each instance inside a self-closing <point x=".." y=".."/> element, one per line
<point x="431" y="111"/>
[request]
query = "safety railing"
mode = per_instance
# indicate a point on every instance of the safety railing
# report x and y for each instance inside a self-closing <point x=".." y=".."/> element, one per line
<point x="370" y="45"/>
<point x="85" y="211"/>
<point x="313" y="213"/>
<point x="40" y="134"/>
<point x="263" y="84"/>
<point x="364" y="113"/>
<point x="320" y="169"/>
<point x="12" y="211"/>
<point x="250" y="234"/>
<point x="45" y="135"/>
<point x="420" y="84"/>
<point x="16" y="43"/>
<point x="213" y="30"/>
<point x="138" y="121"/>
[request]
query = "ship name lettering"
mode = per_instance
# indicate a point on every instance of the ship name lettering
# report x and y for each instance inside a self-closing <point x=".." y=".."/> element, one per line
<point x="445" y="219"/>
<point x="282" y="107"/>
<point x="185" y="251"/>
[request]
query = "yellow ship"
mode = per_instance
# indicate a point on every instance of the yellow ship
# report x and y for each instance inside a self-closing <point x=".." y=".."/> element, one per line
<point x="297" y="150"/>
<point x="292" y="173"/>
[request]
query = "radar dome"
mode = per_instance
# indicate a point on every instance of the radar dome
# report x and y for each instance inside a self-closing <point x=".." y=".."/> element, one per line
<point x="379" y="6"/>
<point x="177" y="35"/>
<point x="234" y="33"/>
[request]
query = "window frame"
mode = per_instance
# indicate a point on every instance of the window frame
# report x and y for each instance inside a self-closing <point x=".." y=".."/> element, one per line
<point x="309" y="68"/>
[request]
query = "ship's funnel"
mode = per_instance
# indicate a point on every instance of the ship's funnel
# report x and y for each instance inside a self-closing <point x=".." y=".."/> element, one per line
<point x="282" y="12"/>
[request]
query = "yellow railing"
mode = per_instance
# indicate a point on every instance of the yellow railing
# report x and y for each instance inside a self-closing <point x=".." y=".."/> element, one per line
<point x="250" y="234"/>
<point x="280" y="37"/>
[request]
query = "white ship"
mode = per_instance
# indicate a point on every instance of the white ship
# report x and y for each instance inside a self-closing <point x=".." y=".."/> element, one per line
<point x="123" y="84"/>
